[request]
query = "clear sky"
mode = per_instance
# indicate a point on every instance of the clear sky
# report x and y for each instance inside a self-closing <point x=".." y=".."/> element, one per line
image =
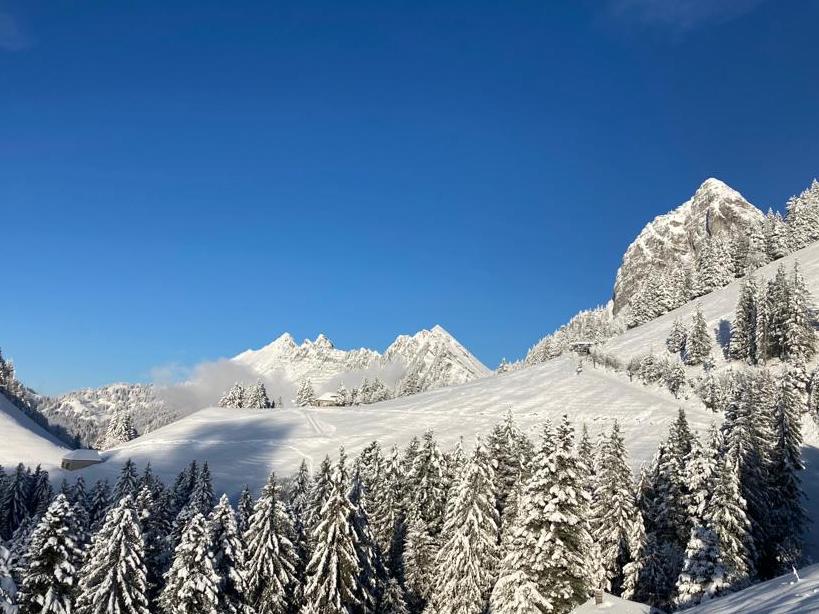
<point x="180" y="181"/>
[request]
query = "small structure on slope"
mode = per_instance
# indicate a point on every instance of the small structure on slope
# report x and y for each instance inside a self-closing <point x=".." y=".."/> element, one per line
<point x="603" y="602"/>
<point x="78" y="459"/>
<point x="328" y="399"/>
<point x="581" y="347"/>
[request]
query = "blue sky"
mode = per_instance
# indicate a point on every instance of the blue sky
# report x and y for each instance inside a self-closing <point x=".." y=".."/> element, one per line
<point x="182" y="181"/>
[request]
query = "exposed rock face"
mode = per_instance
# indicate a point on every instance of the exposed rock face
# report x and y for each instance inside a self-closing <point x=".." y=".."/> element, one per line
<point x="715" y="209"/>
<point x="433" y="357"/>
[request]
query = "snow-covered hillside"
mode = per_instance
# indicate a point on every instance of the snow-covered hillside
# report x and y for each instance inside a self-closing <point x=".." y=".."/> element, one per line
<point x="781" y="595"/>
<point x="717" y="307"/>
<point x="434" y="358"/>
<point x="23" y="441"/>
<point x="245" y="445"/>
<point x="86" y="412"/>
<point x="714" y="209"/>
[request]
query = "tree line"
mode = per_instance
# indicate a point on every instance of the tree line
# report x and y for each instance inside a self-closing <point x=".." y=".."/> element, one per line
<point x="515" y="525"/>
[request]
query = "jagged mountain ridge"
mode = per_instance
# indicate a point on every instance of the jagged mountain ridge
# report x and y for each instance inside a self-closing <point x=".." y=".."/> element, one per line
<point x="434" y="357"/>
<point x="715" y="209"/>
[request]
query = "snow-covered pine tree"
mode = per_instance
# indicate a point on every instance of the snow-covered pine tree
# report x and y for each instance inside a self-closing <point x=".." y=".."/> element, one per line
<point x="647" y="301"/>
<point x="114" y="578"/>
<point x="371" y="465"/>
<point x="40" y="492"/>
<point x="244" y="510"/>
<point x="749" y="435"/>
<point x="713" y="265"/>
<point x="546" y="564"/>
<point x="738" y="247"/>
<point x="49" y="580"/>
<point x="675" y="342"/>
<point x="615" y="513"/>
<point x="256" y="397"/>
<point x="192" y="584"/>
<point x="387" y="512"/>
<point x="774" y="230"/>
<point x="762" y="328"/>
<point x="757" y="249"/>
<point x="743" y="328"/>
<point x="467" y="561"/>
<point x="297" y="501"/>
<point x="703" y="574"/>
<point x="372" y="575"/>
<point x="802" y="220"/>
<point x="305" y="396"/>
<point x="777" y="311"/>
<point x="319" y="493"/>
<point x="727" y="517"/>
<point x="511" y="452"/>
<point x="228" y="560"/>
<point x="150" y="480"/>
<point x="409" y="385"/>
<point x="201" y="499"/>
<point x="270" y="554"/>
<point x="420" y="550"/>
<point x="788" y="516"/>
<point x="233" y="397"/>
<point x="798" y="335"/>
<point x="333" y="573"/>
<point x="100" y="501"/>
<point x="127" y="483"/>
<point x="699" y="342"/>
<point x="154" y="519"/>
<point x="120" y="429"/>
<point x="344" y="395"/>
<point x="15" y="502"/>
<point x="394" y="600"/>
<point x="427" y="482"/>
<point x="454" y="462"/>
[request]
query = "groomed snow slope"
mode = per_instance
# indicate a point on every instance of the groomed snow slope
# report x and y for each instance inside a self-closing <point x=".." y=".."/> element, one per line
<point x="24" y="441"/>
<point x="777" y="596"/>
<point x="243" y="446"/>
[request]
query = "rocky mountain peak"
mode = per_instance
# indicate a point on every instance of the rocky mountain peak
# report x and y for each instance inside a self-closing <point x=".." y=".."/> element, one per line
<point x="715" y="209"/>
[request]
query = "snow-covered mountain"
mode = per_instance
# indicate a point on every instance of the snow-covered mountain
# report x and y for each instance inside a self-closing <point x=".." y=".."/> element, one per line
<point x="433" y="357"/>
<point x="715" y="209"/>
<point x="86" y="412"/>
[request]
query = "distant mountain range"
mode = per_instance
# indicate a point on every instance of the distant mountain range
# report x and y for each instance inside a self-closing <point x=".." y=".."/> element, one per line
<point x="430" y="359"/>
<point x="433" y="358"/>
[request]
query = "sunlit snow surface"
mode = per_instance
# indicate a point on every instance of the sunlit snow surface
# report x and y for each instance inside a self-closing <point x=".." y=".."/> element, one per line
<point x="23" y="441"/>
<point x="245" y="445"/>
<point x="777" y="596"/>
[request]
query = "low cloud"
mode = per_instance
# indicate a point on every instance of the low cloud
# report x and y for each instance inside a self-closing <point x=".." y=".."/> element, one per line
<point x="205" y="384"/>
<point x="12" y="35"/>
<point x="680" y="15"/>
<point x="188" y="389"/>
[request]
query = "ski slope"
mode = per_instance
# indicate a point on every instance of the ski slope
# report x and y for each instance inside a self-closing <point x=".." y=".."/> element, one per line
<point x="24" y="441"/>
<point x="777" y="596"/>
<point x="244" y="445"/>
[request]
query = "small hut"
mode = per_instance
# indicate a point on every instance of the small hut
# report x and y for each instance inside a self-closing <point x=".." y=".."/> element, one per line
<point x="79" y="459"/>
<point x="328" y="399"/>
